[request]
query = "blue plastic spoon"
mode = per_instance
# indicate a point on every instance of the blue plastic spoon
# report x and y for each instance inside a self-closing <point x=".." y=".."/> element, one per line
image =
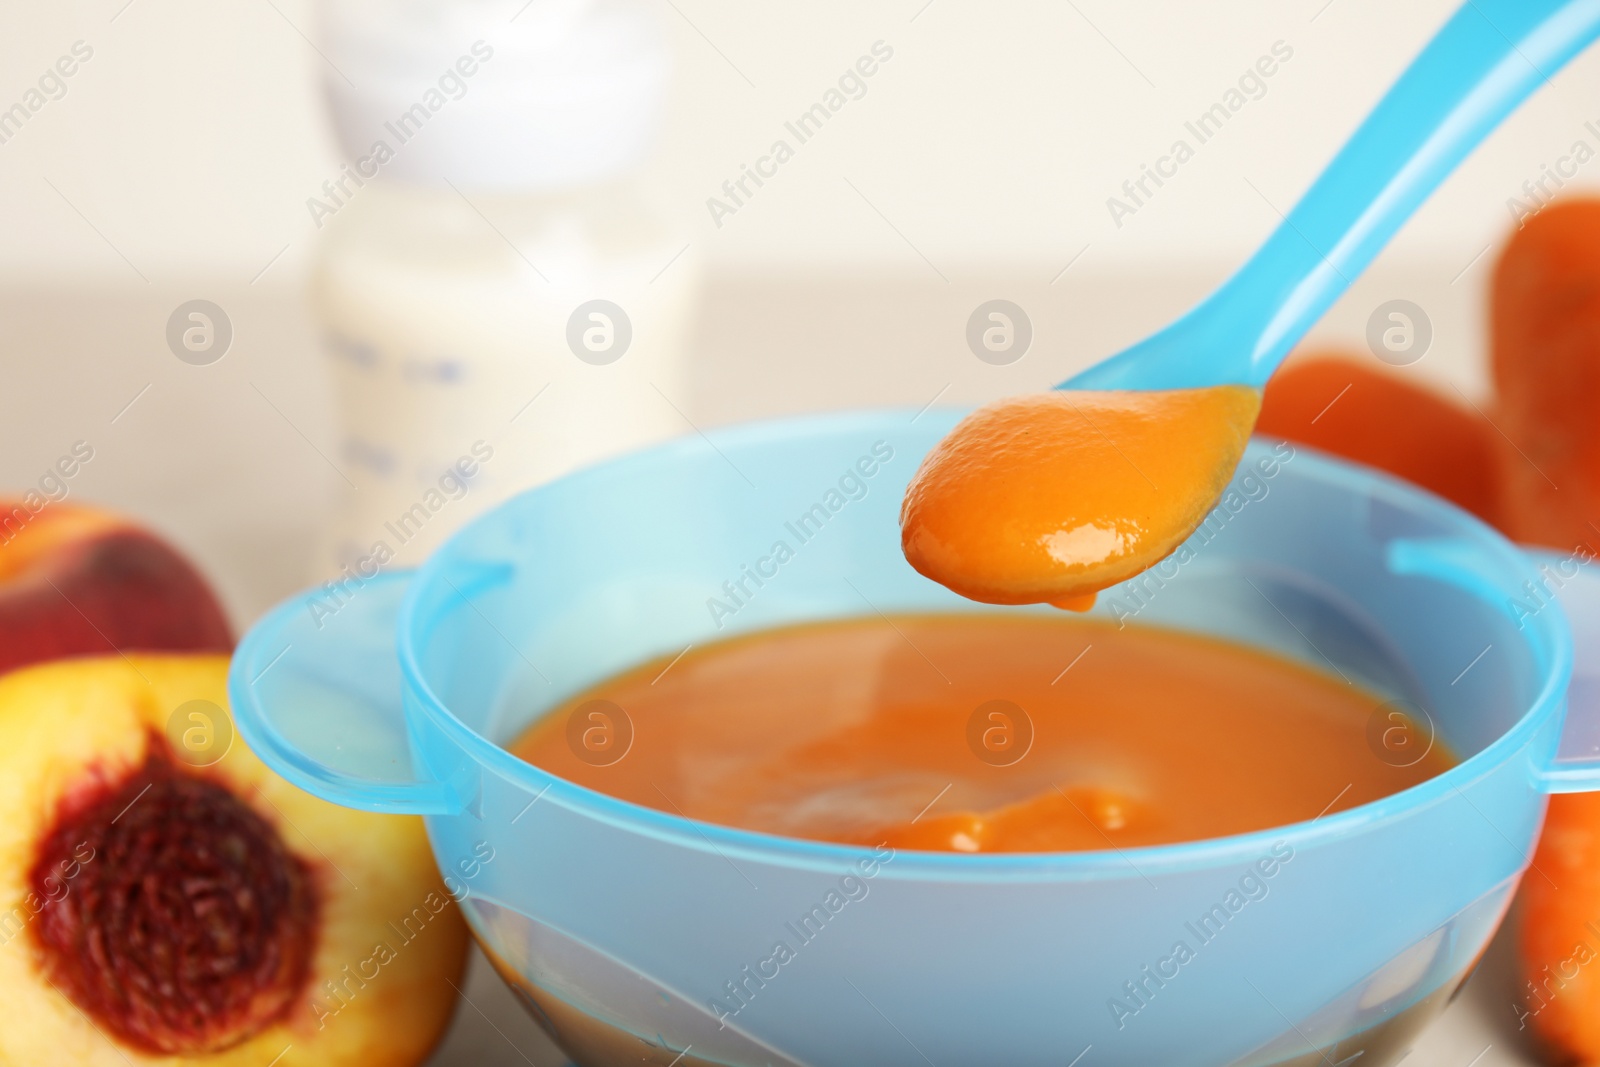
<point x="1485" y="61"/>
<point x="1032" y="499"/>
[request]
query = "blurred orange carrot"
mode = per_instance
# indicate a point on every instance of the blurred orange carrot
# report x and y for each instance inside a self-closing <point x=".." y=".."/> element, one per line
<point x="1545" y="323"/>
<point x="1545" y="329"/>
<point x="1559" y="933"/>
<point x="1344" y="405"/>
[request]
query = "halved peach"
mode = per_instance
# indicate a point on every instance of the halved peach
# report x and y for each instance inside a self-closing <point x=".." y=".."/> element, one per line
<point x="165" y="897"/>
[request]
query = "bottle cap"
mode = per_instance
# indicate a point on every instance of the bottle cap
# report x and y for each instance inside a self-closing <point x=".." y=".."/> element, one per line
<point x="483" y="96"/>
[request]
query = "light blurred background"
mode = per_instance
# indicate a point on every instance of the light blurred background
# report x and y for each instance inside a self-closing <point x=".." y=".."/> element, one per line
<point x="978" y="164"/>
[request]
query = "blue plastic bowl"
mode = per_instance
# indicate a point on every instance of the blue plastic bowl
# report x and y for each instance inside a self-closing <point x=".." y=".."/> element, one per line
<point x="635" y="935"/>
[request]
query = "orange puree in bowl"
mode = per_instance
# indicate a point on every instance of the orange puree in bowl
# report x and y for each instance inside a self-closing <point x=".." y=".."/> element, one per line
<point x="984" y="732"/>
<point x="1051" y="497"/>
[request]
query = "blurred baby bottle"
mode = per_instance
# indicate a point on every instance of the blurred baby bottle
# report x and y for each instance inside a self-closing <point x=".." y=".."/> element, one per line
<point x="499" y="302"/>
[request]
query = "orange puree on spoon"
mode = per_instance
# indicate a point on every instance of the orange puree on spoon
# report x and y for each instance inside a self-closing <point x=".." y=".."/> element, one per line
<point x="1049" y="498"/>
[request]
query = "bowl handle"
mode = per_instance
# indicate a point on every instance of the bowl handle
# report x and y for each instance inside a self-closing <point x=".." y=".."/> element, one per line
<point x="1571" y="580"/>
<point x="316" y="694"/>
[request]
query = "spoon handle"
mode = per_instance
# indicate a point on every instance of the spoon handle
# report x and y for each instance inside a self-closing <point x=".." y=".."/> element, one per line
<point x="1484" y="62"/>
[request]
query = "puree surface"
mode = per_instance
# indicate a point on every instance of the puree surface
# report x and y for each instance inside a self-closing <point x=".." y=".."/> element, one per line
<point x="983" y="732"/>
<point x="1051" y="497"/>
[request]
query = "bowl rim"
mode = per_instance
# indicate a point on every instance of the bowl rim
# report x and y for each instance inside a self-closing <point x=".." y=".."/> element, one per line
<point x="1548" y="633"/>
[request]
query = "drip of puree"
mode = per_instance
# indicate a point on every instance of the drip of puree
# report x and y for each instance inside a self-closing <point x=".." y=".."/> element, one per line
<point x="982" y="732"/>
<point x="1051" y="497"/>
